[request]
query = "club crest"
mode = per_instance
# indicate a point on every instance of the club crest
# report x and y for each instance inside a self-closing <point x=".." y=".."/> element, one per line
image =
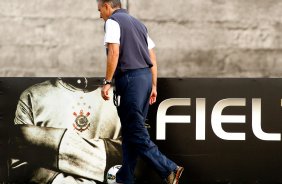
<point x="81" y="122"/>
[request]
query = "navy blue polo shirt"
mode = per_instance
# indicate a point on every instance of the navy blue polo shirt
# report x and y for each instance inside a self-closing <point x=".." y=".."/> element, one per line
<point x="134" y="52"/>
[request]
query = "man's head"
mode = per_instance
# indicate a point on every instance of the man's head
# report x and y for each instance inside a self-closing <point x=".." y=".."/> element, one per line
<point x="107" y="7"/>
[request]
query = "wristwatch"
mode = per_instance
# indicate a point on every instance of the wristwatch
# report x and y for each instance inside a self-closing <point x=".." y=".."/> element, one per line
<point x="105" y="82"/>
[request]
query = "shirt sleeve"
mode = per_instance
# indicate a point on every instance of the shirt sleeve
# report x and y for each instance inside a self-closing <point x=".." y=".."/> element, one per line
<point x="112" y="34"/>
<point x="24" y="113"/>
<point x="150" y="42"/>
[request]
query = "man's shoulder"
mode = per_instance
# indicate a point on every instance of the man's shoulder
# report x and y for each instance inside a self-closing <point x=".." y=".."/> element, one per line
<point x="40" y="88"/>
<point x="126" y="20"/>
<point x="121" y="16"/>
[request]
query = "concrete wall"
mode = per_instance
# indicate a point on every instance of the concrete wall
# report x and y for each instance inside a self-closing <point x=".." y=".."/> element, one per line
<point x="194" y="38"/>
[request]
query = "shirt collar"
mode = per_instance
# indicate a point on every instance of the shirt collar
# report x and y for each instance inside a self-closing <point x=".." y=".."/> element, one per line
<point x="120" y="10"/>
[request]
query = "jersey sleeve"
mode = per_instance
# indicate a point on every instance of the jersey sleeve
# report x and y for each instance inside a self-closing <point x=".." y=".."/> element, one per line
<point x="24" y="113"/>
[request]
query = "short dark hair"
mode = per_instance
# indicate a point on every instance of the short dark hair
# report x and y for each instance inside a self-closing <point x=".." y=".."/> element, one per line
<point x="113" y="3"/>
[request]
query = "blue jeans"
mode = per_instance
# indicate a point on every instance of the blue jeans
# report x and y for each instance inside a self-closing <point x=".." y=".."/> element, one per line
<point x="134" y="88"/>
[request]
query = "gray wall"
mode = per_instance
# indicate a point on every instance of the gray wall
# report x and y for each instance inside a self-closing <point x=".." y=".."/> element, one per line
<point x="194" y="38"/>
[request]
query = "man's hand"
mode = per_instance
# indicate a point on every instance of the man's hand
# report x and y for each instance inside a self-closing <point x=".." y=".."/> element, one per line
<point x="153" y="96"/>
<point x="82" y="157"/>
<point x="105" y="92"/>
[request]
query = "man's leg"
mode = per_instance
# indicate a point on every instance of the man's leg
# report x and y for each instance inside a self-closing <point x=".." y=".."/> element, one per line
<point x="136" y="104"/>
<point x="125" y="174"/>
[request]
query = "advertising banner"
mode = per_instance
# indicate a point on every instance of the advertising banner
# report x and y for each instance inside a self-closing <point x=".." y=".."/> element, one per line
<point x="221" y="130"/>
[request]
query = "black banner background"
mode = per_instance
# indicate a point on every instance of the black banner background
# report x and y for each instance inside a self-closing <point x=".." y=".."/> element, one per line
<point x="214" y="160"/>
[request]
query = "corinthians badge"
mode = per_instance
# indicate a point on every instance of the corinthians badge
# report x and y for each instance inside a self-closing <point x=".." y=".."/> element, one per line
<point x="81" y="122"/>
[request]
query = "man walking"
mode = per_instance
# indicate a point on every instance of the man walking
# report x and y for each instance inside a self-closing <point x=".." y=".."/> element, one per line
<point x="132" y="62"/>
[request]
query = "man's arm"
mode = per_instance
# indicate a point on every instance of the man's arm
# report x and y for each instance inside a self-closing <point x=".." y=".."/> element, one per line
<point x="88" y="158"/>
<point x="57" y="149"/>
<point x="154" y="70"/>
<point x="64" y="151"/>
<point x="112" y="61"/>
<point x="22" y="146"/>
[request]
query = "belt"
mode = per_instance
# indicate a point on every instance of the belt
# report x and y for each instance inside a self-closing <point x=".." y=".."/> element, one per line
<point x="122" y="72"/>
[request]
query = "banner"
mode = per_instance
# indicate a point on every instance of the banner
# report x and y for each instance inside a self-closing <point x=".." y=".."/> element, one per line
<point x="221" y="130"/>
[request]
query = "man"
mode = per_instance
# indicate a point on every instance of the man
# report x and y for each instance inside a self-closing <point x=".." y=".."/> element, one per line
<point x="132" y="62"/>
<point x="64" y="133"/>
